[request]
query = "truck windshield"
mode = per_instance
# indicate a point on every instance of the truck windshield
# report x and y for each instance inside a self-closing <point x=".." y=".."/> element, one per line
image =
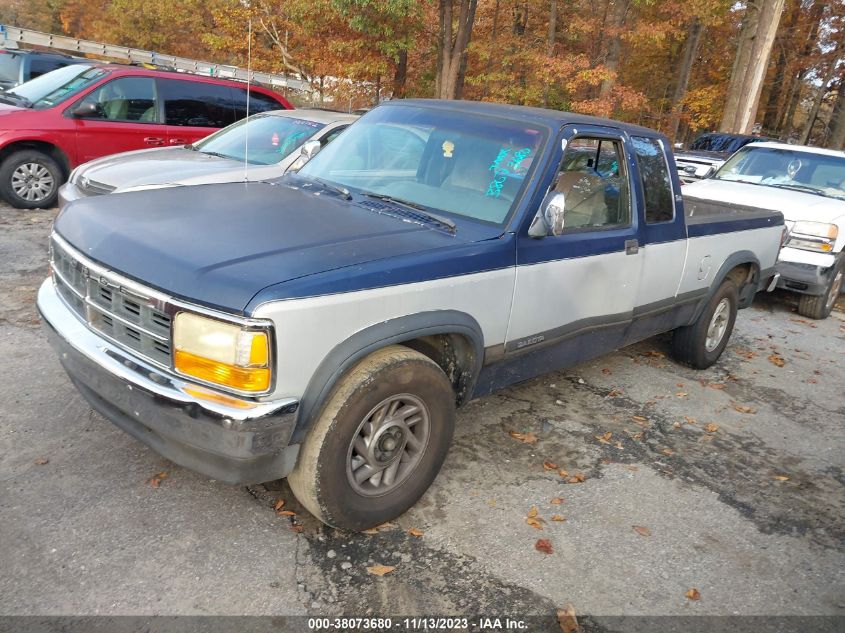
<point x="56" y="86"/>
<point x="266" y="137"/>
<point x="819" y="174"/>
<point x="470" y="166"/>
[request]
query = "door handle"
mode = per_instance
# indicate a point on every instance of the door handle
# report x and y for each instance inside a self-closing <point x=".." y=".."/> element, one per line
<point x="153" y="140"/>
<point x="632" y="247"/>
<point x="178" y="141"/>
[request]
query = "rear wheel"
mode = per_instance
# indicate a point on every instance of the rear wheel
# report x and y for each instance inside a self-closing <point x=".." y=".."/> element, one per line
<point x="30" y="179"/>
<point x="700" y="344"/>
<point x="379" y="441"/>
<point x="820" y="306"/>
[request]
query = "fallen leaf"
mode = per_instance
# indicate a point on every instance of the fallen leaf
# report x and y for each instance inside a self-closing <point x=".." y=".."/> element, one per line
<point x="677" y="425"/>
<point x="557" y="501"/>
<point x="667" y="451"/>
<point x="705" y="438"/>
<point x="42" y="460"/>
<point x="549" y="466"/>
<point x="682" y="394"/>
<point x="743" y="409"/>
<point x="543" y="545"/>
<point x="604" y="438"/>
<point x="557" y="517"/>
<point x="774" y="359"/>
<point x="690" y="420"/>
<point x="679" y="384"/>
<point x="535" y="523"/>
<point x="286" y="513"/>
<point x="415" y="532"/>
<point x="781" y="477"/>
<point x="567" y="620"/>
<point x="369" y="531"/>
<point x="693" y="594"/>
<point x="637" y="436"/>
<point x="527" y="438"/>
<point x="381" y="570"/>
<point x="632" y="468"/>
<point x="613" y="393"/>
<point x="716" y="385"/>
<point x="563" y="473"/>
<point x="532" y="512"/>
<point x="155" y="480"/>
<point x="654" y="354"/>
<point x="297" y="528"/>
<point x="711" y="428"/>
<point x="641" y="530"/>
<point x="606" y="371"/>
<point x="280" y="503"/>
<point x="577" y="478"/>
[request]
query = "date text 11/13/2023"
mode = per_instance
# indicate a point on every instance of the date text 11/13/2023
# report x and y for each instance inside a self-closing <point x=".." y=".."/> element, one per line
<point x="418" y="624"/>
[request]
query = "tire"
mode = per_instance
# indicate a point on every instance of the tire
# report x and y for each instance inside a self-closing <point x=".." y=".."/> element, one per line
<point x="30" y="179"/>
<point x="325" y="479"/>
<point x="820" y="306"/>
<point x="699" y="345"/>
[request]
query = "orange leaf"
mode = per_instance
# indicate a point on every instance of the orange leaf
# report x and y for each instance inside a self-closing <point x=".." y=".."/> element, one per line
<point x="297" y="528"/>
<point x="563" y="473"/>
<point x="415" y="532"/>
<point x="527" y="438"/>
<point x="604" y="438"/>
<point x="532" y="512"/>
<point x="693" y="594"/>
<point x="711" y="428"/>
<point x="280" y="503"/>
<point x="42" y="460"/>
<point x="567" y="620"/>
<point x="557" y="517"/>
<point x="781" y="477"/>
<point x="543" y="545"/>
<point x="535" y="523"/>
<point x="606" y="371"/>
<point x="381" y="570"/>
<point x="577" y="478"/>
<point x="743" y="409"/>
<point x="549" y="466"/>
<point x="774" y="359"/>
<point x="667" y="451"/>
<point x="557" y="501"/>
<point x="641" y="530"/>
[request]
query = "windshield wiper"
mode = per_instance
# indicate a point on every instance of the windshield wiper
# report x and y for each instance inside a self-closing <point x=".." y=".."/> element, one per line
<point x="343" y="191"/>
<point x="15" y="99"/>
<point x="807" y="188"/>
<point x="420" y="209"/>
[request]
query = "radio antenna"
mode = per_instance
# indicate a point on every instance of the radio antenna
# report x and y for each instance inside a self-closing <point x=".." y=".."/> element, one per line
<point x="246" y="120"/>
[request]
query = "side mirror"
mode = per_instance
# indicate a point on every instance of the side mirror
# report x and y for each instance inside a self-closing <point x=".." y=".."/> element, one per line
<point x="709" y="172"/>
<point x="310" y="149"/>
<point x="550" y="219"/>
<point x="86" y="110"/>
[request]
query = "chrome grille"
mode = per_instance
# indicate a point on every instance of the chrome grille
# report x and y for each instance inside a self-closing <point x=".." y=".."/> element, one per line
<point x="124" y="315"/>
<point x="94" y="188"/>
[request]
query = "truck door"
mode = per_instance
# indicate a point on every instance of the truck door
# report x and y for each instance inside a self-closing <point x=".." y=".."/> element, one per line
<point x="575" y="292"/>
<point x="663" y="247"/>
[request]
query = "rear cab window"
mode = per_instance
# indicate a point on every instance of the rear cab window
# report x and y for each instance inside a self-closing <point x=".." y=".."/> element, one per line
<point x="655" y="178"/>
<point x="195" y="103"/>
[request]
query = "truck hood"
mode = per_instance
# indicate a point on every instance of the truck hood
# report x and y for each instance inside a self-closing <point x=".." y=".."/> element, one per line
<point x="794" y="205"/>
<point x="161" y="166"/>
<point x="220" y="244"/>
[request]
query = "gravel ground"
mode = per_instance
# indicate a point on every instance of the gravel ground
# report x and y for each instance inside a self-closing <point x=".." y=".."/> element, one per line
<point x="728" y="481"/>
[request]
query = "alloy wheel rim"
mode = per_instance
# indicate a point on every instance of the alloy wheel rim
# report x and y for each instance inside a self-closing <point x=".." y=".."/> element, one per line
<point x="32" y="182"/>
<point x="718" y="325"/>
<point x="388" y="445"/>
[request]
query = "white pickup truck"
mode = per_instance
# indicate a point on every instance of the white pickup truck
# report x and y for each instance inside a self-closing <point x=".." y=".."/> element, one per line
<point x="325" y="325"/>
<point x="807" y="185"/>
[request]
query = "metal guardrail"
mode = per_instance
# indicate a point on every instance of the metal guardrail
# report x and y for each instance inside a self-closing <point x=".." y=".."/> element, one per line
<point x="12" y="36"/>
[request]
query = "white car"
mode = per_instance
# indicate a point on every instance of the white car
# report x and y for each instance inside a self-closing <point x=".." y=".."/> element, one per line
<point x="259" y="148"/>
<point x="807" y="185"/>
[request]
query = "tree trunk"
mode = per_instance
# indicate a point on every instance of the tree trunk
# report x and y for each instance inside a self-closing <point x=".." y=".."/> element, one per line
<point x="741" y="60"/>
<point x="400" y="75"/>
<point x="484" y="90"/>
<point x="614" y="46"/>
<point x="452" y="58"/>
<point x="550" y="44"/>
<point x="807" y="132"/>
<point x="755" y="75"/>
<point x="687" y="61"/>
<point x="837" y="119"/>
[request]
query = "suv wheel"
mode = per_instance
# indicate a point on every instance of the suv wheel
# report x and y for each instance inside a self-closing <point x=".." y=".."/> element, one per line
<point x="30" y="179"/>
<point x="379" y="441"/>
<point x="820" y="306"/>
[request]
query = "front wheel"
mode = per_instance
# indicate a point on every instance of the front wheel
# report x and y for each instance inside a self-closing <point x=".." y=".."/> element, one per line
<point x="699" y="345"/>
<point x="820" y="306"/>
<point x="379" y="441"/>
<point x="30" y="179"/>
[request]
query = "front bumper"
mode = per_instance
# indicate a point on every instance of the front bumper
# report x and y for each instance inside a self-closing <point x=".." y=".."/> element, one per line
<point x="804" y="271"/>
<point x="236" y="441"/>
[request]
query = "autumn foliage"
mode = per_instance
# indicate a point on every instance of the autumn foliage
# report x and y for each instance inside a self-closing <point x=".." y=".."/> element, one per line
<point x="667" y="64"/>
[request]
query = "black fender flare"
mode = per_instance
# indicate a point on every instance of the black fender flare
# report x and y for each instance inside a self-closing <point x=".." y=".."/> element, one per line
<point x="736" y="259"/>
<point x="393" y="331"/>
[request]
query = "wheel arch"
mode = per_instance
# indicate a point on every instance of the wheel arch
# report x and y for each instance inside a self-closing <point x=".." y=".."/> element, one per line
<point x="743" y="268"/>
<point x="53" y="151"/>
<point x="452" y="339"/>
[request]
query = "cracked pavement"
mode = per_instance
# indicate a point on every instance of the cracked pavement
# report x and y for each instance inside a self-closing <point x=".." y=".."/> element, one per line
<point x="736" y="472"/>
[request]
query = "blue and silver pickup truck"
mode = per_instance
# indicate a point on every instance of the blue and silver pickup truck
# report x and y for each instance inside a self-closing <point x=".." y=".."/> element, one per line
<point x="326" y="325"/>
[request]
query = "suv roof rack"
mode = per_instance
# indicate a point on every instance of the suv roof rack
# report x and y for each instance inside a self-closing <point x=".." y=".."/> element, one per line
<point x="12" y="36"/>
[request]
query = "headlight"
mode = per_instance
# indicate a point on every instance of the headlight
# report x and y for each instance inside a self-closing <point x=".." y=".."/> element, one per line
<point x="221" y="353"/>
<point x="813" y="236"/>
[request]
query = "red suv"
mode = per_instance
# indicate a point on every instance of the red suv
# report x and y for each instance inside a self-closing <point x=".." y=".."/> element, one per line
<point x="53" y="123"/>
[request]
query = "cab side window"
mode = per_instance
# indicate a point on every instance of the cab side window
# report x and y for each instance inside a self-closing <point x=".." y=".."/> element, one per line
<point x="657" y="187"/>
<point x="594" y="181"/>
<point x="126" y="99"/>
<point x="195" y="104"/>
